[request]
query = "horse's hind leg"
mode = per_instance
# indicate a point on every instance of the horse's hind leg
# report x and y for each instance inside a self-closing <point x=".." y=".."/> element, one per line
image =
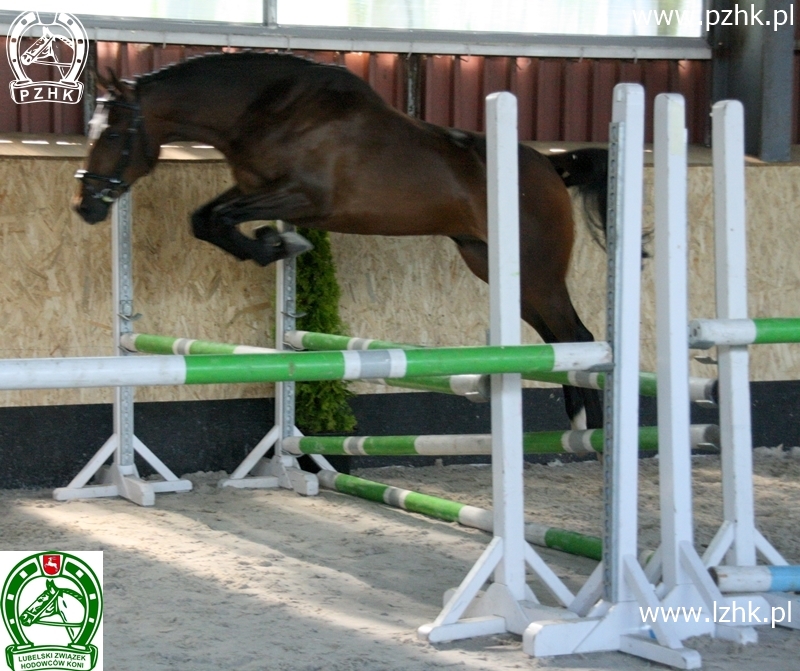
<point x="549" y="311"/>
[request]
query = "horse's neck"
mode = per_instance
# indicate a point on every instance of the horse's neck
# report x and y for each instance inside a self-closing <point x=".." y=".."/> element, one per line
<point x="192" y="114"/>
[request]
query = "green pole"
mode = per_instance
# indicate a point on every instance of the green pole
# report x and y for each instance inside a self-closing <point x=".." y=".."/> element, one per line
<point x="450" y="511"/>
<point x="776" y="331"/>
<point x="541" y="442"/>
<point x="324" y="342"/>
<point x="304" y="366"/>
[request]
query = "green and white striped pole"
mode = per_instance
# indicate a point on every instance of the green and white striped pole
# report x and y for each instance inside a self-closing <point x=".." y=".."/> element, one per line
<point x="701" y="390"/>
<point x="705" y="333"/>
<point x="473" y="387"/>
<point x="325" y="342"/>
<point x="541" y="442"/>
<point x="450" y="511"/>
<point x="157" y="344"/>
<point x="68" y="373"/>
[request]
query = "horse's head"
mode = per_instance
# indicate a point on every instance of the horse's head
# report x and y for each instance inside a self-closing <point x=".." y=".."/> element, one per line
<point x="119" y="151"/>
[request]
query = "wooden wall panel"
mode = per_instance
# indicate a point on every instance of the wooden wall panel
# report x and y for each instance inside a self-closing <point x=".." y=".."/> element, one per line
<point x="56" y="281"/>
<point x="55" y="284"/>
<point x="55" y="290"/>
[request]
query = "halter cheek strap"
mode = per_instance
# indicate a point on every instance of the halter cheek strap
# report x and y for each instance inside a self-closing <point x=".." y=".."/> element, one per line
<point x="115" y="185"/>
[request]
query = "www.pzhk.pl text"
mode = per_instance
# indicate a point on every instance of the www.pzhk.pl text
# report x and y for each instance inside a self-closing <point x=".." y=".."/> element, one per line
<point x="738" y="16"/>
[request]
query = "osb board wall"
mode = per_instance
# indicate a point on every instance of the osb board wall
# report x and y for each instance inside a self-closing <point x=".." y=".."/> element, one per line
<point x="56" y="276"/>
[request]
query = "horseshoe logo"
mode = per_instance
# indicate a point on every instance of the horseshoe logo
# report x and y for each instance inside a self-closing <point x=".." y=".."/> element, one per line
<point x="47" y="50"/>
<point x="51" y="605"/>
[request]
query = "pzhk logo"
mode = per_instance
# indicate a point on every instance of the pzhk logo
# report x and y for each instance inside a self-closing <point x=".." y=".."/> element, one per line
<point x="52" y="606"/>
<point x="62" y="47"/>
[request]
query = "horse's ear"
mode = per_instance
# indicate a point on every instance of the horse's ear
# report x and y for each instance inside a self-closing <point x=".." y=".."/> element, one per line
<point x="115" y="86"/>
<point x="104" y="83"/>
<point x="123" y="89"/>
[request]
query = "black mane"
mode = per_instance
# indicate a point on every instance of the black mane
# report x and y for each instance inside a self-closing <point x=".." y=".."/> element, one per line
<point x="212" y="60"/>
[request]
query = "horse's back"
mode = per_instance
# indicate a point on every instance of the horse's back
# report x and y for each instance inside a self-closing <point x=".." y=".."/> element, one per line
<point x="372" y="169"/>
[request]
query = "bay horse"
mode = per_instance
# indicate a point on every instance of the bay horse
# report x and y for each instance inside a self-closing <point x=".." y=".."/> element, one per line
<point x="315" y="146"/>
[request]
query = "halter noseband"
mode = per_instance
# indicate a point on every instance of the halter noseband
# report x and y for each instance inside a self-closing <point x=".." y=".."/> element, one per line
<point x="115" y="185"/>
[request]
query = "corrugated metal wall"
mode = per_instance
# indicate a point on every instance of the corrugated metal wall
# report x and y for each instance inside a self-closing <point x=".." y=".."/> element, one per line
<point x="559" y="99"/>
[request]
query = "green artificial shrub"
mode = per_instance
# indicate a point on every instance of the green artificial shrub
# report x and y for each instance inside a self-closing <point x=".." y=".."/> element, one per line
<point x="321" y="407"/>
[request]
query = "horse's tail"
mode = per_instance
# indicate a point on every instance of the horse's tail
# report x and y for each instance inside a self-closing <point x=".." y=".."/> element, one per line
<point x="587" y="169"/>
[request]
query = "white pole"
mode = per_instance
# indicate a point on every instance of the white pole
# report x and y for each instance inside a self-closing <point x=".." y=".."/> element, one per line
<point x="731" y="279"/>
<point x="504" y="290"/>
<point x="671" y="319"/>
<point x="81" y="372"/>
<point x="622" y="394"/>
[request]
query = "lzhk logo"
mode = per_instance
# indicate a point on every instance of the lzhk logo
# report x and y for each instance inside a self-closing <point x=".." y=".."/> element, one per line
<point x="52" y="604"/>
<point x="62" y="47"/>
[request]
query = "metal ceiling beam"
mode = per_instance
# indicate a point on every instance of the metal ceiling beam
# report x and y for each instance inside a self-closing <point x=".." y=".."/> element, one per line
<point x="167" y="31"/>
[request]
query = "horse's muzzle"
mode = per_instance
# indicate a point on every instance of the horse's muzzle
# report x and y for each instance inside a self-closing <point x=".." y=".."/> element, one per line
<point x="91" y="210"/>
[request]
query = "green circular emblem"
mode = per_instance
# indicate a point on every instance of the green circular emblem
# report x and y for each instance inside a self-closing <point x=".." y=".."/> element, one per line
<point x="52" y="605"/>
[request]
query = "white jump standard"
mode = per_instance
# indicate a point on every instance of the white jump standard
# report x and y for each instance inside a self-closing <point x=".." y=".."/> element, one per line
<point x="505" y="606"/>
<point x="121" y="477"/>
<point x="606" y="615"/>
<point x="738" y="541"/>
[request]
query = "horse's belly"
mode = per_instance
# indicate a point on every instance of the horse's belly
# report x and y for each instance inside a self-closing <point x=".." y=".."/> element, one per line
<point x="407" y="218"/>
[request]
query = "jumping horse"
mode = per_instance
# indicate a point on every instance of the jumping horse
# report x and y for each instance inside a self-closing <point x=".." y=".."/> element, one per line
<point x="315" y="146"/>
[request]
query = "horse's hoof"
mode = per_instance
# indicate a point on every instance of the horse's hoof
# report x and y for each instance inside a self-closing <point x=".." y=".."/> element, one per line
<point x="267" y="236"/>
<point x="295" y="244"/>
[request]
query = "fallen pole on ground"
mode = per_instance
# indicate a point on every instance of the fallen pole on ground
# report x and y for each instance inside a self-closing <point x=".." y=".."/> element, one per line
<point x="451" y="511"/>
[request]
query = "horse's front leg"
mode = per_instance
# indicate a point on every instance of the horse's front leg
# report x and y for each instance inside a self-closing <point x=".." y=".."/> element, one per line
<point x="216" y="222"/>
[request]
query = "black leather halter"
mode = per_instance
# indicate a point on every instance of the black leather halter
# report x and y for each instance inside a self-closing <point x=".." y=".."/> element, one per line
<point x="114" y="185"/>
